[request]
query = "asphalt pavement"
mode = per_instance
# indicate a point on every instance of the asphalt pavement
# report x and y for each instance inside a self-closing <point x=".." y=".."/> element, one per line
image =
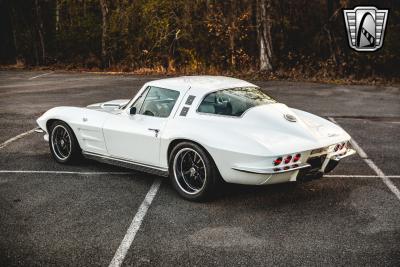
<point x="78" y="215"/>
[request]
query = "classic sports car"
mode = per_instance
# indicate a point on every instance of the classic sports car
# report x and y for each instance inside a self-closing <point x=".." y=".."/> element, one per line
<point x="197" y="130"/>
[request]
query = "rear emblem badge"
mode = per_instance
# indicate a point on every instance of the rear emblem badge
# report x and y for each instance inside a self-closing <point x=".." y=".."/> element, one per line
<point x="290" y="117"/>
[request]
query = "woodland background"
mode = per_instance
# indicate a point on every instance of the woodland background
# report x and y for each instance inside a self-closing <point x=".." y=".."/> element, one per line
<point x="300" y="39"/>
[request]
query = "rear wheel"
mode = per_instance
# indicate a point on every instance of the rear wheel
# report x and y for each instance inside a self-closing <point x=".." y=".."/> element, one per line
<point x="192" y="172"/>
<point x="63" y="144"/>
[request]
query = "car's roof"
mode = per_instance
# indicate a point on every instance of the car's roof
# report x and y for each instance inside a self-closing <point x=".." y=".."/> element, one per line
<point x="201" y="84"/>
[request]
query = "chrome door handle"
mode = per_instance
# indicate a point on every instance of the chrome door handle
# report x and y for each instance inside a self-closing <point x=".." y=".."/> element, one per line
<point x="155" y="130"/>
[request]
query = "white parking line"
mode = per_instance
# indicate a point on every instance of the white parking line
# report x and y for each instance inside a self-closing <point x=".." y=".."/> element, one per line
<point x="135" y="225"/>
<point x="360" y="176"/>
<point x="373" y="166"/>
<point x="132" y="173"/>
<point x="41" y="75"/>
<point x="15" y="138"/>
<point x="66" y="172"/>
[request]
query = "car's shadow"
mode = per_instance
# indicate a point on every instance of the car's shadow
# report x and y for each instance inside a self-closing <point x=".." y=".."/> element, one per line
<point x="274" y="194"/>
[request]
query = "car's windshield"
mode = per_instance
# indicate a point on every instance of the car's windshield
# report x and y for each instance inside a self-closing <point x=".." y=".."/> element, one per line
<point x="234" y="101"/>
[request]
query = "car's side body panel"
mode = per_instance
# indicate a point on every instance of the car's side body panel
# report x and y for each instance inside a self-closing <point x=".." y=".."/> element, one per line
<point x="90" y="131"/>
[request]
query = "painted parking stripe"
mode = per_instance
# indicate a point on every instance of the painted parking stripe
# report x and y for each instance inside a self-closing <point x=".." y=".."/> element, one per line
<point x="133" y="173"/>
<point x="41" y="75"/>
<point x="15" y="138"/>
<point x="373" y="166"/>
<point x="135" y="225"/>
<point x="66" y="172"/>
<point x="360" y="176"/>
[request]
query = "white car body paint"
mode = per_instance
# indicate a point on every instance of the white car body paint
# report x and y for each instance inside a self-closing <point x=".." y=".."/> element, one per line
<point x="243" y="148"/>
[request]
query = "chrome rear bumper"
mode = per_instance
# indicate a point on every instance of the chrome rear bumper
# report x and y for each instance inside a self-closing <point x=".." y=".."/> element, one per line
<point x="349" y="152"/>
<point x="294" y="167"/>
<point x="274" y="170"/>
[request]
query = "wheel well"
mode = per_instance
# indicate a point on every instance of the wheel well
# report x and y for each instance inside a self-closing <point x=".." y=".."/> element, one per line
<point x="175" y="142"/>
<point x="178" y="141"/>
<point x="49" y="123"/>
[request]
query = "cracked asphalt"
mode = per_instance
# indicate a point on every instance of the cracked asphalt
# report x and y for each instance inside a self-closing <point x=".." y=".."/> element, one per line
<point x="80" y="219"/>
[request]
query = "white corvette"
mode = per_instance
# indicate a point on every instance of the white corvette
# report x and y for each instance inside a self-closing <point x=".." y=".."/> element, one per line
<point x="197" y="130"/>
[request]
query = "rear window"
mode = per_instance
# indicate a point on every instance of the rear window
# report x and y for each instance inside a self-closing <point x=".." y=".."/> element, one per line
<point x="234" y="101"/>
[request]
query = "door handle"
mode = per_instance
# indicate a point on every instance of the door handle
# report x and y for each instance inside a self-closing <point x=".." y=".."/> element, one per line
<point x="155" y="130"/>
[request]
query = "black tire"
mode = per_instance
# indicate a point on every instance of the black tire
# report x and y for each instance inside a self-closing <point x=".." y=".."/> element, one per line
<point x="72" y="150"/>
<point x="180" y="184"/>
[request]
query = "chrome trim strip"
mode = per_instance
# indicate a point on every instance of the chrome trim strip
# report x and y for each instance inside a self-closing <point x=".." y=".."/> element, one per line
<point x="39" y="130"/>
<point x="127" y="163"/>
<point x="274" y="170"/>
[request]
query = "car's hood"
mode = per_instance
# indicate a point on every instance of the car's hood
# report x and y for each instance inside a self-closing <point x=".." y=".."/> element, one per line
<point x="276" y="132"/>
<point x="109" y="106"/>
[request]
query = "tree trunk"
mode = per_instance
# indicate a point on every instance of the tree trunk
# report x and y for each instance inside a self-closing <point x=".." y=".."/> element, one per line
<point x="329" y="28"/>
<point x="57" y="15"/>
<point x="264" y="22"/>
<point x="104" y="35"/>
<point x="13" y="19"/>
<point x="40" y="31"/>
<point x="84" y="8"/>
<point x="232" y="35"/>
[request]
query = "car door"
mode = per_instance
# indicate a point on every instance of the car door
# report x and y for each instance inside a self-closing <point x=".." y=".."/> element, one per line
<point x="136" y="137"/>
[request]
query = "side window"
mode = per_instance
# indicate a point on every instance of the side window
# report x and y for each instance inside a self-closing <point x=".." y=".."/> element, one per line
<point x="138" y="103"/>
<point x="234" y="101"/>
<point x="159" y="102"/>
<point x="216" y="103"/>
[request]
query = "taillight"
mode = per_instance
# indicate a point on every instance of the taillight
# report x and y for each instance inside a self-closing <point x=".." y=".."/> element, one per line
<point x="278" y="161"/>
<point x="288" y="159"/>
<point x="343" y="146"/>
<point x="296" y="158"/>
<point x="337" y="147"/>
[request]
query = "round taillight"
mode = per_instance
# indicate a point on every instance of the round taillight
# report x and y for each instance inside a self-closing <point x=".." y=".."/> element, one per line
<point x="296" y="158"/>
<point x="278" y="161"/>
<point x="337" y="147"/>
<point x="288" y="159"/>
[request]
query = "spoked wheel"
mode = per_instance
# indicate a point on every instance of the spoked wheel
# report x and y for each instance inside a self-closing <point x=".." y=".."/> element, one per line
<point x="189" y="171"/>
<point x="63" y="144"/>
<point x="193" y="173"/>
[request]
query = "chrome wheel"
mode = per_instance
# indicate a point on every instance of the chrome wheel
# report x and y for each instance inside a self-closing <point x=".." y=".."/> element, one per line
<point x="189" y="171"/>
<point x="61" y="142"/>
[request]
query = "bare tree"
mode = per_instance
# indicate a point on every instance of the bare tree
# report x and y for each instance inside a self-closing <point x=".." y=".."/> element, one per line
<point x="232" y="31"/>
<point x="264" y="22"/>
<point x="39" y="22"/>
<point x="104" y="35"/>
<point x="57" y="15"/>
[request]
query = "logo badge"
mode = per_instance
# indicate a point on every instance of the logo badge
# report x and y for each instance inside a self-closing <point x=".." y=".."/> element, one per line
<point x="290" y="117"/>
<point x="365" y="27"/>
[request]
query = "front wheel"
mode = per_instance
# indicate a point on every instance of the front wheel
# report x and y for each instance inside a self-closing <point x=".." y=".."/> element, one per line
<point x="192" y="171"/>
<point x="63" y="144"/>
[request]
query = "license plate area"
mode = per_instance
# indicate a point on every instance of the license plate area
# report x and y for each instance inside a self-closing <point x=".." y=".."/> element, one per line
<point x="316" y="163"/>
<point x="312" y="172"/>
